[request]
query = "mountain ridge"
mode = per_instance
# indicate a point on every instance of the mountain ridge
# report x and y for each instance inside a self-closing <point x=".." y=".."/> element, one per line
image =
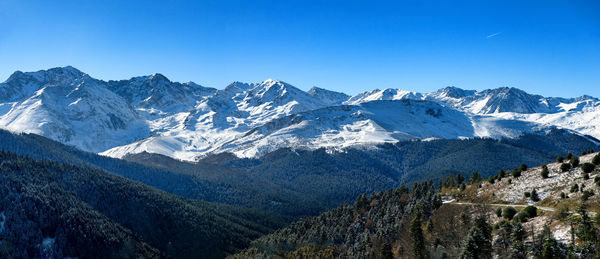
<point x="188" y="121"/>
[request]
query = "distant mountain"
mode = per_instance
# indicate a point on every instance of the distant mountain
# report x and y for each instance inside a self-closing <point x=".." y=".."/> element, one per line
<point x="328" y="97"/>
<point x="188" y="121"/>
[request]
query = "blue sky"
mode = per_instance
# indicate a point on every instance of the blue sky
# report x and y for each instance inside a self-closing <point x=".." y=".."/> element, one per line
<point x="544" y="47"/>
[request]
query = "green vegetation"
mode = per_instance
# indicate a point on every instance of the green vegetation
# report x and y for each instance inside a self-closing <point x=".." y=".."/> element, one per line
<point x="516" y="172"/>
<point x="574" y="161"/>
<point x="588" y="167"/>
<point x="596" y="159"/>
<point x="391" y="220"/>
<point x="509" y="213"/>
<point x="565" y="167"/>
<point x="94" y="214"/>
<point x="523" y="167"/>
<point x="545" y="172"/>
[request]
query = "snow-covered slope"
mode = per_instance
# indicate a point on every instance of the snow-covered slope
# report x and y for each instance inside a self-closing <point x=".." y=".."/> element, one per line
<point x="328" y="97"/>
<point x="69" y="106"/>
<point x="187" y="121"/>
<point x="387" y="94"/>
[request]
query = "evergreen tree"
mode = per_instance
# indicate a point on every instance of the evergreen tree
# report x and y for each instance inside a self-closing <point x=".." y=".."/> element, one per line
<point x="534" y="196"/>
<point x="523" y="167"/>
<point x="587" y="167"/>
<point x="545" y="172"/>
<point x="517" y="249"/>
<point x="475" y="178"/>
<point x="574" y="161"/>
<point x="596" y="159"/>
<point x="550" y="247"/>
<point x="516" y="172"/>
<point x="499" y="212"/>
<point x="565" y="167"/>
<point x="416" y="236"/>
<point x="509" y="213"/>
<point x="560" y="159"/>
<point x="585" y="227"/>
<point x="569" y="155"/>
<point x="460" y="179"/>
<point x="478" y="242"/>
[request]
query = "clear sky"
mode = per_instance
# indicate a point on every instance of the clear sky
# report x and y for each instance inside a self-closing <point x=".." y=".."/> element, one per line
<point x="544" y="47"/>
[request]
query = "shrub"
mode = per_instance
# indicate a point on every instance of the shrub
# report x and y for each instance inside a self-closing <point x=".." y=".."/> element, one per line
<point x="596" y="159"/>
<point x="509" y="213"/>
<point x="531" y="211"/>
<point x="499" y="212"/>
<point x="575" y="188"/>
<point x="563" y="195"/>
<point x="509" y="181"/>
<point x="569" y="155"/>
<point x="583" y="153"/>
<point x="587" y="167"/>
<point x="586" y="195"/>
<point x="565" y="167"/>
<point x="516" y="172"/>
<point x="534" y="196"/>
<point x="523" y="167"/>
<point x="527" y="194"/>
<point x="560" y="159"/>
<point x="597" y="179"/>
<point x="586" y="176"/>
<point x="574" y="161"/>
<point x="501" y="174"/>
<point x="520" y="217"/>
<point x="491" y="179"/>
<point x="545" y="172"/>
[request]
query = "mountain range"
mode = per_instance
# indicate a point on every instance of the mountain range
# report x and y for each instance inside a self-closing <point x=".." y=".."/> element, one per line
<point x="187" y="121"/>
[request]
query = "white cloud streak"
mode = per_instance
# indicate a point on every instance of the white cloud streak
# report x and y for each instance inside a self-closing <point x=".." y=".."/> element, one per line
<point x="493" y="35"/>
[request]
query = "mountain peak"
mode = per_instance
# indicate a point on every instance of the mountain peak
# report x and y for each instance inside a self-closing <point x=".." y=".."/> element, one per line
<point x="328" y="97"/>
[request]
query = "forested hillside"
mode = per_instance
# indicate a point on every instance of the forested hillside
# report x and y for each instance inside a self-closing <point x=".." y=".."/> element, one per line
<point x="213" y="183"/>
<point x="330" y="178"/>
<point x="509" y="215"/>
<point x="61" y="210"/>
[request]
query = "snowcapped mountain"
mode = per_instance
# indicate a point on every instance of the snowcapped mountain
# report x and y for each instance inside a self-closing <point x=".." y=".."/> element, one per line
<point x="187" y="121"/>
<point x="156" y="94"/>
<point x="69" y="106"/>
<point x="328" y="97"/>
<point x="387" y="94"/>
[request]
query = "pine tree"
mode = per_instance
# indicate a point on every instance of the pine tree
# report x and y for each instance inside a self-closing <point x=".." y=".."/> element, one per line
<point x="516" y="172"/>
<point x="550" y="247"/>
<point x="596" y="159"/>
<point x="587" y="167"/>
<point x="517" y="249"/>
<point x="545" y="172"/>
<point x="574" y="161"/>
<point x="416" y="236"/>
<point x="523" y="167"/>
<point x="565" y="167"/>
<point x="478" y="242"/>
<point x="534" y="196"/>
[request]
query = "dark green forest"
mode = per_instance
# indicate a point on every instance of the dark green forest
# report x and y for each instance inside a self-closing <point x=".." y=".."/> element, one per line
<point x="300" y="183"/>
<point x="89" y="213"/>
<point x="329" y="179"/>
